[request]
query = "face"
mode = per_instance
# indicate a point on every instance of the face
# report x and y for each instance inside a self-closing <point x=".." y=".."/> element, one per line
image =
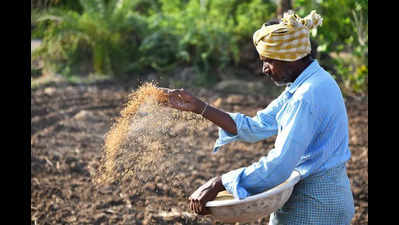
<point x="279" y="71"/>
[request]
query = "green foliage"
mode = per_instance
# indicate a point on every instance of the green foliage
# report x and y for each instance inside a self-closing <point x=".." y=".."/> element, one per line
<point x="158" y="50"/>
<point x="127" y="36"/>
<point x="39" y="5"/>
<point x="209" y="33"/>
<point x="104" y="35"/>
<point x="250" y="15"/>
<point x="344" y="29"/>
<point x="353" y="75"/>
<point x="123" y="37"/>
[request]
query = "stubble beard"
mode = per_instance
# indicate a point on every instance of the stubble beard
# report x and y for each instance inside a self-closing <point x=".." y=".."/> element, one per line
<point x="288" y="78"/>
<point x="282" y="83"/>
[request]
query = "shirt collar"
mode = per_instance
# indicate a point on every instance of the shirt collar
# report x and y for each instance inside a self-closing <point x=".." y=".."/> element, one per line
<point x="308" y="72"/>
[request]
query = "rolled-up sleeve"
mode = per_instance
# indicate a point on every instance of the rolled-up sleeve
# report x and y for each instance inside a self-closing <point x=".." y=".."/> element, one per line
<point x="295" y="133"/>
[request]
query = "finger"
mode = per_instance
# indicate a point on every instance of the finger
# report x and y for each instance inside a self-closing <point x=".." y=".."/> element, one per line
<point x="166" y="90"/>
<point x="170" y="92"/>
<point x="179" y="104"/>
<point x="176" y="92"/>
<point x="180" y="93"/>
<point x="191" y="206"/>
<point x="197" y="206"/>
<point x="174" y="102"/>
<point x="165" y="103"/>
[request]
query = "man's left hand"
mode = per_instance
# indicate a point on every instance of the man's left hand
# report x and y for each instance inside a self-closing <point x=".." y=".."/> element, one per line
<point x="207" y="192"/>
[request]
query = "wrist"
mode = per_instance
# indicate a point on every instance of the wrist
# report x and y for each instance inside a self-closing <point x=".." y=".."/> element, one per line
<point x="218" y="184"/>
<point x="200" y="107"/>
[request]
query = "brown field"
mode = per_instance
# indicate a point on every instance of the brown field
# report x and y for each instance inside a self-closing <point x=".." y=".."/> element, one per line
<point x="68" y="126"/>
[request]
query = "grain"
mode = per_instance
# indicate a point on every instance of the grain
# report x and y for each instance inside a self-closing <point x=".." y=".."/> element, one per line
<point x="141" y="144"/>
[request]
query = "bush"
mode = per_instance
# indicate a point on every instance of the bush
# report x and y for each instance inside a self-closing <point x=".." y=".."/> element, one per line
<point x="344" y="30"/>
<point x="118" y="37"/>
<point x="105" y="36"/>
<point x="209" y="34"/>
<point x="122" y="37"/>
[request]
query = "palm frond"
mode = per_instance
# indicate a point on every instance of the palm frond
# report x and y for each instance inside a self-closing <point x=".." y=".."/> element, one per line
<point x="95" y="8"/>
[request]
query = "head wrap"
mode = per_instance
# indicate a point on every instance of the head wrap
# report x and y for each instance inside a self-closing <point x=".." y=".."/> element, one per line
<point x="288" y="40"/>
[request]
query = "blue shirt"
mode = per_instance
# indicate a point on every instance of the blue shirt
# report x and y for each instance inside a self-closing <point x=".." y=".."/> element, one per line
<point x="311" y="124"/>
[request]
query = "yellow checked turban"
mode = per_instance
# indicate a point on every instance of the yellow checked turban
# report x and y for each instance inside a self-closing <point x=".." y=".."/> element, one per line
<point x="288" y="40"/>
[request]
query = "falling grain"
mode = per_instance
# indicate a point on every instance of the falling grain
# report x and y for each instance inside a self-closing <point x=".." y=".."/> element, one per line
<point x="138" y="145"/>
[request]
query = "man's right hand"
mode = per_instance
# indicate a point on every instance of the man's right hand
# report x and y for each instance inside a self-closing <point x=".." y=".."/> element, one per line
<point x="183" y="100"/>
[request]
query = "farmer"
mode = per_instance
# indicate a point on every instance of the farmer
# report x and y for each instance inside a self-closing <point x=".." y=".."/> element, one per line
<point x="311" y="124"/>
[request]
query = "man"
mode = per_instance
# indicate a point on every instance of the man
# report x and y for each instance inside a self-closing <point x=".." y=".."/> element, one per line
<point x="311" y="124"/>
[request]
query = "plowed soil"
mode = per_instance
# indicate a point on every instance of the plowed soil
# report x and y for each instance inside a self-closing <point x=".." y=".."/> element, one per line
<point x="68" y="125"/>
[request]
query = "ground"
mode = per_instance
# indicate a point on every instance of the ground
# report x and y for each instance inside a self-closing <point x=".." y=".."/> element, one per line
<point x="68" y="124"/>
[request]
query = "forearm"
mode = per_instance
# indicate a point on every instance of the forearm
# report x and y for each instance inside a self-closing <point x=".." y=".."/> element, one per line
<point x="183" y="100"/>
<point x="217" y="184"/>
<point x="219" y="118"/>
